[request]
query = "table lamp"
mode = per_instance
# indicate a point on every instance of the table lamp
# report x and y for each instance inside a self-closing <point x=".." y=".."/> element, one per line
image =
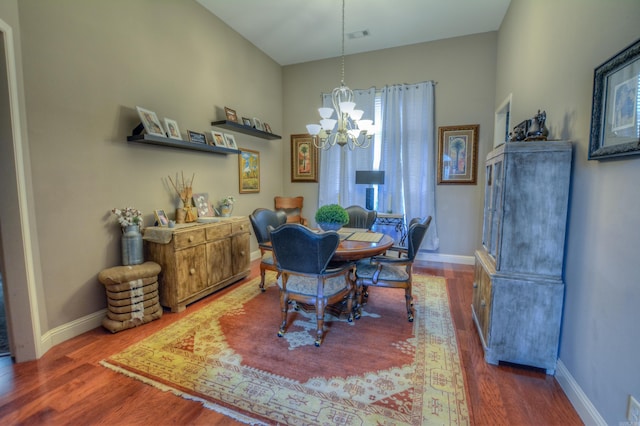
<point x="369" y="177"/>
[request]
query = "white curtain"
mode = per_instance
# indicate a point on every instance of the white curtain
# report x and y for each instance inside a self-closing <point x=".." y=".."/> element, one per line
<point x="408" y="154"/>
<point x="338" y="165"/>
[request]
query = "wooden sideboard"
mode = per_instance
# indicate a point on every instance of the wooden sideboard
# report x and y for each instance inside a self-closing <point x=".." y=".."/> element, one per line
<point x="198" y="259"/>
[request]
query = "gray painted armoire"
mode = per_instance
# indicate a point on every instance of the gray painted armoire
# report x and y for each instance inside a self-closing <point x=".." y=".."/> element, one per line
<point x="518" y="287"/>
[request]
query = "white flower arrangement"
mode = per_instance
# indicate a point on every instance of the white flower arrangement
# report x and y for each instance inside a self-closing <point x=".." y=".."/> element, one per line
<point x="128" y="216"/>
<point x="228" y="200"/>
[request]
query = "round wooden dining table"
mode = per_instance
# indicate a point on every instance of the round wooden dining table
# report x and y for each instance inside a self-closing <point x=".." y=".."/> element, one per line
<point x="349" y="250"/>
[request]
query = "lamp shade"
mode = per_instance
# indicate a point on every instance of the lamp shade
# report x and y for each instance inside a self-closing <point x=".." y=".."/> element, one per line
<point x="370" y="177"/>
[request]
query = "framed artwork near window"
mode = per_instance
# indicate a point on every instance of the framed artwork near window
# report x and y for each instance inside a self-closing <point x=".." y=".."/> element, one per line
<point x="150" y="122"/>
<point x="249" y="171"/>
<point x="458" y="154"/>
<point x="304" y="159"/>
<point x="615" y="113"/>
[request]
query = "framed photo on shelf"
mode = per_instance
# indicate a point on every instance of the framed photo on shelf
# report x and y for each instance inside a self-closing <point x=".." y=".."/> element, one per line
<point x="172" y="129"/>
<point x="249" y="171"/>
<point x="266" y="128"/>
<point x="161" y="218"/>
<point x="230" y="140"/>
<point x="150" y="122"/>
<point x="257" y="123"/>
<point x="304" y="159"/>
<point x="615" y="113"/>
<point x="247" y="121"/>
<point x="458" y="154"/>
<point x="197" y="137"/>
<point x="218" y="139"/>
<point x="201" y="201"/>
<point x="231" y="114"/>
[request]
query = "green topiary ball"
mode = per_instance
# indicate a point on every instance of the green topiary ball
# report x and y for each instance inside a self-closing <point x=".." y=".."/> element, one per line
<point x="332" y="213"/>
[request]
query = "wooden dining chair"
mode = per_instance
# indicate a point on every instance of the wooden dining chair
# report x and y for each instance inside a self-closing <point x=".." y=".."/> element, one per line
<point x="261" y="219"/>
<point x="359" y="217"/>
<point x="292" y="207"/>
<point x="303" y="256"/>
<point x="389" y="271"/>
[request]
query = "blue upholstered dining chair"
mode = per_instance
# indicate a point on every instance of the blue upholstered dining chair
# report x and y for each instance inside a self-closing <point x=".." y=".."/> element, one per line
<point x="302" y="257"/>
<point x="390" y="271"/>
<point x="261" y="220"/>
<point x="360" y="217"/>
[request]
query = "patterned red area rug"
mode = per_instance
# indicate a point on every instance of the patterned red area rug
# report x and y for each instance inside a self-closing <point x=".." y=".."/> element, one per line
<point x="378" y="370"/>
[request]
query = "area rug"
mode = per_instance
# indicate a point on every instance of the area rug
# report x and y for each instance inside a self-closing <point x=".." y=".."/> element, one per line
<point x="378" y="370"/>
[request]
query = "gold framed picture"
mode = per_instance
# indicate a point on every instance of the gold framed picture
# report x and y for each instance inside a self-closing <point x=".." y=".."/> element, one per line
<point x="249" y="171"/>
<point x="304" y="159"/>
<point x="458" y="154"/>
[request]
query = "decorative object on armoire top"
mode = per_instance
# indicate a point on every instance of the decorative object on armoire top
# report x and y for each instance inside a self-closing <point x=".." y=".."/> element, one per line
<point x="185" y="192"/>
<point x="533" y="129"/>
<point x="130" y="220"/>
<point x="537" y="129"/>
<point x="331" y="217"/>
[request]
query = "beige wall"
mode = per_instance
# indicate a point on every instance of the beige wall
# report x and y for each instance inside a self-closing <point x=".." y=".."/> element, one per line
<point x="464" y="69"/>
<point x="87" y="64"/>
<point x="547" y="53"/>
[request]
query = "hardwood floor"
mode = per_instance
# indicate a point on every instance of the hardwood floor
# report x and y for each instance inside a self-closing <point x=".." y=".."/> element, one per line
<point x="68" y="386"/>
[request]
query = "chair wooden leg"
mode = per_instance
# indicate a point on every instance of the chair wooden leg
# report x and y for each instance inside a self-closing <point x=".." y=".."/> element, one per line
<point x="284" y="307"/>
<point x="263" y="272"/>
<point x="320" y="308"/>
<point x="409" y="301"/>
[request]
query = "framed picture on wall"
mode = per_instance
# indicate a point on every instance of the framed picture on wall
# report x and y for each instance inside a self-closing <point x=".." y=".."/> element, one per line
<point x="249" y="171"/>
<point x="615" y="113"/>
<point x="458" y="154"/>
<point x="304" y="159"/>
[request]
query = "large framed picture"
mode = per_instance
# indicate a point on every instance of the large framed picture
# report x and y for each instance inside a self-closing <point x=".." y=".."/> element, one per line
<point x="615" y="110"/>
<point x="150" y="122"/>
<point x="249" y="171"/>
<point x="458" y="154"/>
<point x="304" y="159"/>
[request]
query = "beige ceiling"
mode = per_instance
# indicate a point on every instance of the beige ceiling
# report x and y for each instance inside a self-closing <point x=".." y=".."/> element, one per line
<point x="295" y="31"/>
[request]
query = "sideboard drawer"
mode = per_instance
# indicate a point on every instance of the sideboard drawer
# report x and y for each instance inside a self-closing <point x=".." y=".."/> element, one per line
<point x="217" y="231"/>
<point x="188" y="239"/>
<point x="240" y="227"/>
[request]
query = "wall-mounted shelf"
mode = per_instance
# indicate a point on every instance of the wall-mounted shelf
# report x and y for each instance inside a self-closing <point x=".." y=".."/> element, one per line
<point x="247" y="130"/>
<point x="177" y="143"/>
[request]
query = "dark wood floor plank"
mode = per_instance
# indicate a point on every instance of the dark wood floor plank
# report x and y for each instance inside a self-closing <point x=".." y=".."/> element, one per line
<point x="69" y="386"/>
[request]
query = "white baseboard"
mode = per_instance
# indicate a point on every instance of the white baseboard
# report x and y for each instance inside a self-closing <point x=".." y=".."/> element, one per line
<point x="72" y="329"/>
<point x="446" y="258"/>
<point x="578" y="399"/>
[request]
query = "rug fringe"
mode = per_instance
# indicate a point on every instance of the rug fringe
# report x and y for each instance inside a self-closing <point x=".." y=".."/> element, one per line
<point x="165" y="388"/>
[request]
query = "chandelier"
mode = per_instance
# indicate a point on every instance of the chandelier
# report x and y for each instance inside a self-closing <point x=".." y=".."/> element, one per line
<point x="351" y="130"/>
